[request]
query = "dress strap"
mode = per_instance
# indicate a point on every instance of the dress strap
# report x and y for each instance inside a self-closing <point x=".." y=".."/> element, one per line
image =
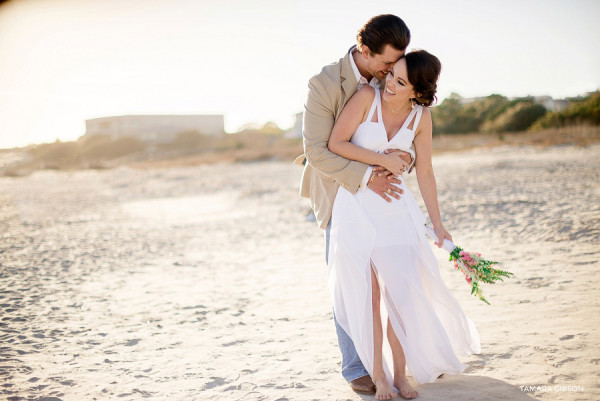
<point x="374" y="105"/>
<point x="415" y="113"/>
<point x="379" y="113"/>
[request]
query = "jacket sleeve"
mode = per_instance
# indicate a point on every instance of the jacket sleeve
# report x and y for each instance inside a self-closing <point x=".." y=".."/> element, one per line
<point x="318" y="120"/>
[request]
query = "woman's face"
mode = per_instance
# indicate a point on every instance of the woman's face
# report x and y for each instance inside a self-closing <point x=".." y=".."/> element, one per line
<point x="397" y="87"/>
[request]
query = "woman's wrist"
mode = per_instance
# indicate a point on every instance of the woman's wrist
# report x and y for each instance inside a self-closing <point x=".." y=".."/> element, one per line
<point x="383" y="159"/>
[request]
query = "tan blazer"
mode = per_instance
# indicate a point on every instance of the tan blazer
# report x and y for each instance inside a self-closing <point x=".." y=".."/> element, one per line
<point x="325" y="171"/>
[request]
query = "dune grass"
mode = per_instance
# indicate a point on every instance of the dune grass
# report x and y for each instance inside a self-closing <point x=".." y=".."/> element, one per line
<point x="190" y="149"/>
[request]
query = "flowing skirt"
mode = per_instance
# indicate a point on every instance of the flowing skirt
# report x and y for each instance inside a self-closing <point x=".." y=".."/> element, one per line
<point x="428" y="321"/>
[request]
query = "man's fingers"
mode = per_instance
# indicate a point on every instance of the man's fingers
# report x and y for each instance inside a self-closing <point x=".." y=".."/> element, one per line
<point x="384" y="196"/>
<point x="394" y="180"/>
<point x="396" y="189"/>
<point x="392" y="191"/>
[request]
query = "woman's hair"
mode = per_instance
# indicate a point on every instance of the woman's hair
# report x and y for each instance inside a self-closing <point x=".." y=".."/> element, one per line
<point x="423" y="71"/>
<point x="381" y="30"/>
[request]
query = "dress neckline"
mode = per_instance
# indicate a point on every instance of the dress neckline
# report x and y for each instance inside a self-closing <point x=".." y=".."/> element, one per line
<point x="409" y="118"/>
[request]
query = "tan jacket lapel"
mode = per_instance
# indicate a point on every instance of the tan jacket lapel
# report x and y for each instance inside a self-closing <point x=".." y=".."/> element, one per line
<point x="349" y="83"/>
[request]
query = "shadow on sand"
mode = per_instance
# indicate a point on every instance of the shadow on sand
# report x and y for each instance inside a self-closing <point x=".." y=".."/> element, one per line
<point x="467" y="388"/>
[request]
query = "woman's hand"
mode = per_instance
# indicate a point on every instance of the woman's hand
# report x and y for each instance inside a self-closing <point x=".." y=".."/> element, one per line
<point x="442" y="234"/>
<point x="394" y="163"/>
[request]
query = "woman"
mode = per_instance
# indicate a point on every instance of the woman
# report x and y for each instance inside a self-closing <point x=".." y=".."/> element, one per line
<point x="378" y="250"/>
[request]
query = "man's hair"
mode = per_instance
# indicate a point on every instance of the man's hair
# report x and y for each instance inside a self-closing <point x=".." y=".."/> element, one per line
<point x="381" y="30"/>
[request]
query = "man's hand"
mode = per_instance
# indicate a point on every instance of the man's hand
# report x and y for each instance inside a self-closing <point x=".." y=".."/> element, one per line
<point x="383" y="184"/>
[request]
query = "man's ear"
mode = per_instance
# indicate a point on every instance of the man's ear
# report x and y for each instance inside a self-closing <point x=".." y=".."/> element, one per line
<point x="365" y="51"/>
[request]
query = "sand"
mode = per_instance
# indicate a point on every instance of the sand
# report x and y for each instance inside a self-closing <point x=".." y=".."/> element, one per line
<point x="208" y="283"/>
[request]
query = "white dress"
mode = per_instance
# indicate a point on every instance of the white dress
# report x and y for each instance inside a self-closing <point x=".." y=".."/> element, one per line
<point x="366" y="230"/>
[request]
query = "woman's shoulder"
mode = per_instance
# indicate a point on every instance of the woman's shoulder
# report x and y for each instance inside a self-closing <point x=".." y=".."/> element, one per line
<point x="425" y="111"/>
<point x="360" y="103"/>
<point x="363" y="98"/>
<point x="424" y="120"/>
<point x="366" y="92"/>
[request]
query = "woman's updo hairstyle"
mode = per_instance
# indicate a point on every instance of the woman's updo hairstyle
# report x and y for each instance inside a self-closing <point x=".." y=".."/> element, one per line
<point x="423" y="71"/>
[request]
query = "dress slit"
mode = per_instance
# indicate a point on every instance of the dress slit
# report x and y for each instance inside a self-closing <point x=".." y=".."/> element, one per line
<point x="368" y="232"/>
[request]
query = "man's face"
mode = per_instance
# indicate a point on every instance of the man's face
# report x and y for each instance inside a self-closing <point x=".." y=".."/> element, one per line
<point x="379" y="65"/>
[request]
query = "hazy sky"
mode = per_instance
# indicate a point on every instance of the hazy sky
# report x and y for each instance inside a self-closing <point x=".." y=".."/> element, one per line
<point x="65" y="61"/>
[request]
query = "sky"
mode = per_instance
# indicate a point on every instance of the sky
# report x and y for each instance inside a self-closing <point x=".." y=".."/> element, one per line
<point x="65" y="61"/>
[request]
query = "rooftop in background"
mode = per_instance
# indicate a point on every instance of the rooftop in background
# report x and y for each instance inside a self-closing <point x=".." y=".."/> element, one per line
<point x="155" y="128"/>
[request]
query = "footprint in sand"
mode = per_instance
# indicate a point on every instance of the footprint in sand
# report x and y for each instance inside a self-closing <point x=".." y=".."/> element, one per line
<point x="217" y="381"/>
<point x="567" y="337"/>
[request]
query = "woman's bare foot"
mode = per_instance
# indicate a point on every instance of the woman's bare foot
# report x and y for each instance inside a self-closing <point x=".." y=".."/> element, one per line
<point x="405" y="389"/>
<point x="383" y="391"/>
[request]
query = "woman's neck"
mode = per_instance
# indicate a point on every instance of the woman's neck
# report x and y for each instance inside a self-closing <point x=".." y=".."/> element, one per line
<point x="397" y="109"/>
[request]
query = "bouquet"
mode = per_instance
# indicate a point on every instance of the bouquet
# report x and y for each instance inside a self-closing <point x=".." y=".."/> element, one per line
<point x="475" y="268"/>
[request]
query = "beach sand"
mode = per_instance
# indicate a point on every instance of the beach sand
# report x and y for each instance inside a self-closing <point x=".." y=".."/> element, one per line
<point x="208" y="283"/>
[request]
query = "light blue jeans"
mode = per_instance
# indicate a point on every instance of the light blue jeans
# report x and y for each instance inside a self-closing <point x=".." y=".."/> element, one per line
<point x="352" y="367"/>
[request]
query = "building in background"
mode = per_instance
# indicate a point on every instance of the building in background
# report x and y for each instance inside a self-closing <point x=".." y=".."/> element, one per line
<point x="155" y="128"/>
<point x="551" y="104"/>
<point x="296" y="130"/>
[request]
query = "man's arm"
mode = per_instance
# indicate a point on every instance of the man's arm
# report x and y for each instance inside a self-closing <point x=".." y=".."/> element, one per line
<point x="318" y="121"/>
<point x="317" y="124"/>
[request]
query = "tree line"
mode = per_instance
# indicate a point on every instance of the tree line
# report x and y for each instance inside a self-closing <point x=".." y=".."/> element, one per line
<point x="497" y="113"/>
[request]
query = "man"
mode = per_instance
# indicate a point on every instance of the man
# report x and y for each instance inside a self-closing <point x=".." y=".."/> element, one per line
<point x="380" y="43"/>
